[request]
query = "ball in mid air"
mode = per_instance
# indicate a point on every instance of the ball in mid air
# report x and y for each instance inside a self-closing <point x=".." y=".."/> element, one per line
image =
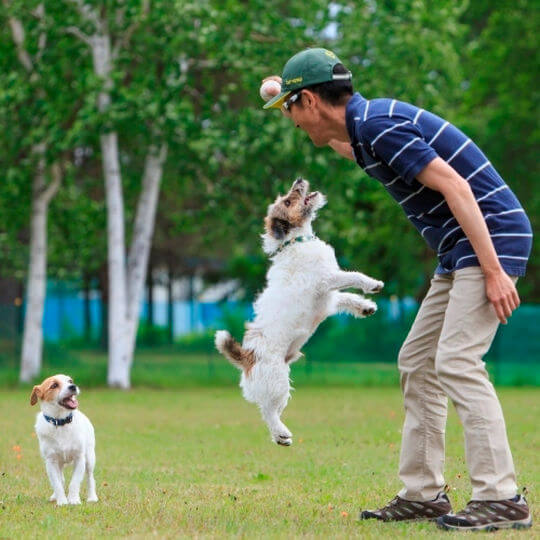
<point x="269" y="89"/>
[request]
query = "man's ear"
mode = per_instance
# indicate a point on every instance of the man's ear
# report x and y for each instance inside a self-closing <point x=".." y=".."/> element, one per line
<point x="309" y="99"/>
<point x="280" y="228"/>
<point x="36" y="392"/>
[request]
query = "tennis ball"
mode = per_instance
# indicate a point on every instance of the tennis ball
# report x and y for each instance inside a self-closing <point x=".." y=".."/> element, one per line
<point x="269" y="89"/>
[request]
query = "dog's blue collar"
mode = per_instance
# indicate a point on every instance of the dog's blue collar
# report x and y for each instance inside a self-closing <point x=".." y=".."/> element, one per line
<point x="293" y="241"/>
<point x="59" y="421"/>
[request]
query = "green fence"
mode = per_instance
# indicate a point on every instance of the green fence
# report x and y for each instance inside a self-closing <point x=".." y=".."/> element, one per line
<point x="343" y="350"/>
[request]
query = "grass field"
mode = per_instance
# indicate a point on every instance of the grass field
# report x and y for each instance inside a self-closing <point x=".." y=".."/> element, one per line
<point x="197" y="462"/>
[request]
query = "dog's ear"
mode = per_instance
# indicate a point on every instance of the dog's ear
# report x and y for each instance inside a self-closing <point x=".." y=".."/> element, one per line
<point x="280" y="228"/>
<point x="36" y="392"/>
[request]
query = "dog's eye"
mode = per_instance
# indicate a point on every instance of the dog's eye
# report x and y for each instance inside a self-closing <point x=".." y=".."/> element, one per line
<point x="54" y="385"/>
<point x="287" y="203"/>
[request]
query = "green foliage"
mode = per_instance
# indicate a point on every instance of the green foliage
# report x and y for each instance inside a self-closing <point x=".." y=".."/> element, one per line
<point x="188" y="73"/>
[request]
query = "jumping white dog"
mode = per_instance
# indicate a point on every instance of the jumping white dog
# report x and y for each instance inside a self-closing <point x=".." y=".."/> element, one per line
<point x="302" y="290"/>
<point x="65" y="436"/>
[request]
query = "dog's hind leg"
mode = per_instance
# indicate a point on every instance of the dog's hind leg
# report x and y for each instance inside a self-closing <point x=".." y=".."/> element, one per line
<point x="353" y="304"/>
<point x="90" y="464"/>
<point x="272" y="398"/>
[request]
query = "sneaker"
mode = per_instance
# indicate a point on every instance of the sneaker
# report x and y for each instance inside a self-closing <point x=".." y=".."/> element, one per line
<point x="399" y="509"/>
<point x="489" y="516"/>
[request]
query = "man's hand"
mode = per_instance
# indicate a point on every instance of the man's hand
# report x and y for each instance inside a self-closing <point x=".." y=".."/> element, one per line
<point x="502" y="293"/>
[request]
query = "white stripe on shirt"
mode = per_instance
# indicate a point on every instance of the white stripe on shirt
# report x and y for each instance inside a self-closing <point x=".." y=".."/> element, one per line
<point x="445" y="237"/>
<point x="404" y="148"/>
<point x="392" y="105"/>
<point x="376" y="164"/>
<point x="500" y="188"/>
<point x="387" y="130"/>
<point x="442" y="128"/>
<point x="412" y="195"/>
<point x="513" y="211"/>
<point x="366" y="110"/>
<point x="467" y="142"/>
<point x="481" y="168"/>
<point x="420" y="111"/>
<point x="393" y="180"/>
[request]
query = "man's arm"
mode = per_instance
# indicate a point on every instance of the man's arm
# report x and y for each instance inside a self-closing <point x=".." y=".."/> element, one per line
<point x="500" y="289"/>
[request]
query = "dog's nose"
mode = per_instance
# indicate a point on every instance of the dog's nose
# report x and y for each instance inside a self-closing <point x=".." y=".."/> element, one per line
<point x="72" y="388"/>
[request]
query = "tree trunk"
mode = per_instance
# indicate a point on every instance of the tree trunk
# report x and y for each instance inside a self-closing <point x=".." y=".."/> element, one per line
<point x="170" y="306"/>
<point x="119" y="366"/>
<point x="142" y="240"/>
<point x="150" y="296"/>
<point x="32" y="346"/>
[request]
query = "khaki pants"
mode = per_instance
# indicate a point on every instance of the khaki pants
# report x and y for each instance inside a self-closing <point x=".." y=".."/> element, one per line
<point x="442" y="356"/>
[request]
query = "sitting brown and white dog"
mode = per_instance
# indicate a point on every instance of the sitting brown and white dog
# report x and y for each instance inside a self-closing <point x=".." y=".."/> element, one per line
<point x="65" y="436"/>
<point x="302" y="290"/>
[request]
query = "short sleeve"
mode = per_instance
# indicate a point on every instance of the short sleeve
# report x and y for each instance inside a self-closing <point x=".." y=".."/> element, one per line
<point x="399" y="144"/>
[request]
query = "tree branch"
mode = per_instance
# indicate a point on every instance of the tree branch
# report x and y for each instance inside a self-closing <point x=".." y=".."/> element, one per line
<point x="81" y="35"/>
<point x="88" y="14"/>
<point x="52" y="188"/>
<point x="123" y="40"/>
<point x="39" y="12"/>
<point x="17" y="31"/>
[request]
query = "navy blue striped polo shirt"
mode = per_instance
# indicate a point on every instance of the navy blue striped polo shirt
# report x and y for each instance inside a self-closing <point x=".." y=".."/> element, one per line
<point x="393" y="141"/>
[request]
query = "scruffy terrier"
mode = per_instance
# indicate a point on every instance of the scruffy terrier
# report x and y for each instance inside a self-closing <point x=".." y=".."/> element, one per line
<point x="303" y="288"/>
<point x="65" y="436"/>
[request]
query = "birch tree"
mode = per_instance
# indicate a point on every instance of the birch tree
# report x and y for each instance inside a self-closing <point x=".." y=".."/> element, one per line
<point x="45" y="185"/>
<point x="126" y="277"/>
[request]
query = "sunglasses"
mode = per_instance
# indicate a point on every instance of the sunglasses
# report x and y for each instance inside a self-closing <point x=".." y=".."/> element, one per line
<point x="287" y="104"/>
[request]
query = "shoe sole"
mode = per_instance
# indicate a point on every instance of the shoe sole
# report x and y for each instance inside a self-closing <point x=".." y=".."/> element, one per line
<point x="521" y="524"/>
<point x="418" y="519"/>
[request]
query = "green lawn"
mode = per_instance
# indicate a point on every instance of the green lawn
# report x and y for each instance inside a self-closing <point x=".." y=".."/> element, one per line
<point x="198" y="462"/>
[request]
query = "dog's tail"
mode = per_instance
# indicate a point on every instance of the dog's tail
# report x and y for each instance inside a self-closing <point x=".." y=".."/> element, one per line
<point x="233" y="351"/>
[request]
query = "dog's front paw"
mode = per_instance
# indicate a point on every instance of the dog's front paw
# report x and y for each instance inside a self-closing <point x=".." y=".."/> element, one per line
<point x="374" y="286"/>
<point x="60" y="501"/>
<point x="368" y="308"/>
<point x="74" y="499"/>
<point x="92" y="498"/>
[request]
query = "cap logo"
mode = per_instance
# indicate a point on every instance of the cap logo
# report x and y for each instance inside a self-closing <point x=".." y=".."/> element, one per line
<point x="329" y="53"/>
<point x="292" y="81"/>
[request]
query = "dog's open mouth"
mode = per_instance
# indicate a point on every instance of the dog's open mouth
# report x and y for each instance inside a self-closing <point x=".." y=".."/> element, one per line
<point x="310" y="196"/>
<point x="70" y="402"/>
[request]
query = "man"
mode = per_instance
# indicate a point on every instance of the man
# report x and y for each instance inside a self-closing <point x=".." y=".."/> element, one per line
<point x="464" y="210"/>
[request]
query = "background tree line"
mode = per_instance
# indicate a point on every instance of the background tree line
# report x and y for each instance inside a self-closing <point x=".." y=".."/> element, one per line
<point x="99" y="99"/>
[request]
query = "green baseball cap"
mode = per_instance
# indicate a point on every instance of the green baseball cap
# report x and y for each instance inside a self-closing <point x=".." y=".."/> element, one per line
<point x="308" y="67"/>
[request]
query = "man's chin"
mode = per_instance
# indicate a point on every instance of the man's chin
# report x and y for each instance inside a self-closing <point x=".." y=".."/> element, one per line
<point x="319" y="144"/>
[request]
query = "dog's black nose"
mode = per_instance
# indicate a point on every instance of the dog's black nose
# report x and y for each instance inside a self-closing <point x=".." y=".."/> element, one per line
<point x="72" y="387"/>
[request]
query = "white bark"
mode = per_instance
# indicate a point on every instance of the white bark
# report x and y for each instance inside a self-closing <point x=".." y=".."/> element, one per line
<point x="125" y="286"/>
<point x="119" y="366"/>
<point x="37" y="269"/>
<point x="100" y="46"/>
<point x="32" y="344"/>
<point x="142" y="241"/>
